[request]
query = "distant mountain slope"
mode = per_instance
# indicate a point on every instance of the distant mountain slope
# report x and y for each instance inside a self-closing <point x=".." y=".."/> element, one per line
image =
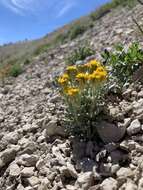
<point x="23" y="51"/>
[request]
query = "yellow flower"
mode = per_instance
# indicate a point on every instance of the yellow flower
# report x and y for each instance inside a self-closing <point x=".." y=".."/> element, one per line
<point x="65" y="76"/>
<point x="82" y="76"/>
<point x="93" y="64"/>
<point x="100" y="75"/>
<point x="72" y="91"/>
<point x="100" y="69"/>
<point x="91" y="77"/>
<point x="71" y="68"/>
<point x="63" y="79"/>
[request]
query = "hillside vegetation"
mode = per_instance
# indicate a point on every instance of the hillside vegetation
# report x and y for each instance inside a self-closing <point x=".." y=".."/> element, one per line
<point x="22" y="52"/>
<point x="71" y="115"/>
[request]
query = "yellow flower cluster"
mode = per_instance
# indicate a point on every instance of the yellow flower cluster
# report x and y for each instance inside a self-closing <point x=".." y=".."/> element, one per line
<point x="76" y="76"/>
<point x="82" y="76"/>
<point x="72" y="91"/>
<point x="71" y="69"/>
<point x="99" y="74"/>
<point x="63" y="80"/>
<point x="93" y="64"/>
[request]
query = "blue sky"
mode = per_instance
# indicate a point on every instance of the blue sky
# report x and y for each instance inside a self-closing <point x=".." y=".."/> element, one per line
<point x="31" y="19"/>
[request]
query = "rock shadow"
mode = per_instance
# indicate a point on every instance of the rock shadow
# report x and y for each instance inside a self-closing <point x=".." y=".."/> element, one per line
<point x="101" y="159"/>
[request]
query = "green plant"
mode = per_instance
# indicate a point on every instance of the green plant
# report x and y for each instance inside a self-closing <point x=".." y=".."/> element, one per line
<point x="82" y="88"/>
<point x="79" y="54"/>
<point x="76" y="30"/>
<point x="103" y="10"/>
<point x="41" y="49"/>
<point x="26" y="61"/>
<point x="15" y="70"/>
<point x="124" y="62"/>
<point x="57" y="39"/>
<point x="100" y="12"/>
<point x="61" y="38"/>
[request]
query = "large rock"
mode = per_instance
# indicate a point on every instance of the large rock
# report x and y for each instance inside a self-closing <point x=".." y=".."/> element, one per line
<point x="70" y="187"/>
<point x="30" y="128"/>
<point x="59" y="156"/>
<point x="33" y="181"/>
<point x="14" y="170"/>
<point x="109" y="132"/>
<point x="7" y="156"/>
<point x="27" y="172"/>
<point x="27" y="146"/>
<point x="84" y="181"/>
<point x="115" y="113"/>
<point x="134" y="127"/>
<point x="27" y="160"/>
<point x="118" y="156"/>
<point x="68" y="171"/>
<point x="105" y="169"/>
<point x="140" y="184"/>
<point x="11" y="137"/>
<point x="20" y="187"/>
<point x="130" y="185"/>
<point x="45" y="183"/>
<point x="138" y="107"/>
<point x="109" y="184"/>
<point x="40" y="164"/>
<point x="52" y="129"/>
<point x="140" y="94"/>
<point x="124" y="173"/>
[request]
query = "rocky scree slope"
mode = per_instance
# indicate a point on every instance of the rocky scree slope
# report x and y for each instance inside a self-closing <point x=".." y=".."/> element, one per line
<point x="35" y="153"/>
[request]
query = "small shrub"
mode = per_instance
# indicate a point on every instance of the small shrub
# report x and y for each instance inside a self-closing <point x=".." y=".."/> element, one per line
<point x="10" y="68"/>
<point x="91" y="25"/>
<point x="76" y="30"/>
<point x="79" y="54"/>
<point x="100" y="12"/>
<point x="15" y="70"/>
<point x="26" y="61"/>
<point x="4" y="71"/>
<point x="41" y="49"/>
<point x="124" y="62"/>
<point x="61" y="38"/>
<point x="82" y="89"/>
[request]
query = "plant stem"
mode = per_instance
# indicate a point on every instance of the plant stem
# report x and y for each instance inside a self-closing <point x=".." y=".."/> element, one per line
<point x="136" y="22"/>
